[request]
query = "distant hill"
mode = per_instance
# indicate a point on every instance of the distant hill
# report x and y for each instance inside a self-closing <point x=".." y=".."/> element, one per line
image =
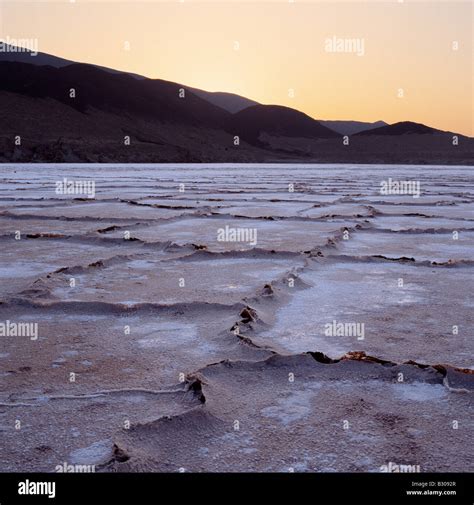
<point x="402" y="128"/>
<point x="163" y="124"/>
<point x="116" y="93"/>
<point x="13" y="54"/>
<point x="277" y="120"/>
<point x="227" y="101"/>
<point x="351" y="127"/>
<point x="44" y="59"/>
<point x="152" y="99"/>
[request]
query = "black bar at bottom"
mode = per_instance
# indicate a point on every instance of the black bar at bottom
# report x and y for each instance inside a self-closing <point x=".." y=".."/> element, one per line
<point x="237" y="489"/>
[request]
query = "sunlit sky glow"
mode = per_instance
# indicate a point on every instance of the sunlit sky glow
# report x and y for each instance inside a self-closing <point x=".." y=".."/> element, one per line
<point x="263" y="50"/>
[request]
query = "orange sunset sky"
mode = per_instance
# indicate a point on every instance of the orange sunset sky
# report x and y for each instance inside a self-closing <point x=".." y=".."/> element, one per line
<point x="264" y="50"/>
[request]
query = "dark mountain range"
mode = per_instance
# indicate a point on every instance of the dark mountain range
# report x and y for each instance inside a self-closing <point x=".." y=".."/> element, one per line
<point x="277" y="120"/>
<point x="41" y="120"/>
<point x="351" y="127"/>
<point x="20" y="55"/>
<point x="114" y="93"/>
<point x="14" y="54"/>
<point x="227" y="101"/>
<point x="402" y="128"/>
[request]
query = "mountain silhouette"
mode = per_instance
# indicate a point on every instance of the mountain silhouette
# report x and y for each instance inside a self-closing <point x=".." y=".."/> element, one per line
<point x="65" y="111"/>
<point x="227" y="101"/>
<point x="94" y="88"/>
<point x="277" y="120"/>
<point x="351" y="127"/>
<point x="402" y="128"/>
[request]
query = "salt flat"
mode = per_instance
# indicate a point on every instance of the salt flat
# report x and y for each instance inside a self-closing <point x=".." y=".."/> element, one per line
<point x="163" y="346"/>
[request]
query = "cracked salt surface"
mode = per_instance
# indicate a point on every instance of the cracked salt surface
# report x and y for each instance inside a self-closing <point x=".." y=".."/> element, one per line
<point x="294" y="406"/>
<point x="94" y="454"/>
<point x="279" y="235"/>
<point x="397" y="223"/>
<point x="158" y="333"/>
<point x="412" y="321"/>
<point x="421" y="247"/>
<point x="134" y="281"/>
<point x="187" y="331"/>
<point x="420" y="391"/>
